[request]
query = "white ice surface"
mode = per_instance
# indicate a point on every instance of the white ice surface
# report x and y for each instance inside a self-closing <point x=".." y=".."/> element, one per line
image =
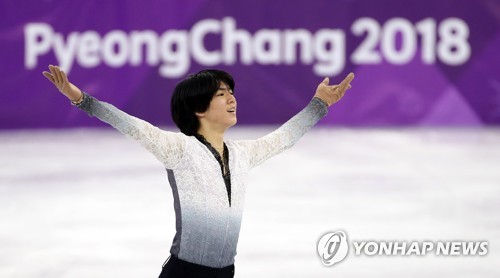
<point x="89" y="203"/>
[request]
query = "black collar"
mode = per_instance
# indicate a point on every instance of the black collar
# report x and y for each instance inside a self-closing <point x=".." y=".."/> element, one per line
<point x="224" y="165"/>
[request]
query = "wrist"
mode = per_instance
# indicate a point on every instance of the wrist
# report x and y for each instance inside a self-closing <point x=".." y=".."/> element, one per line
<point x="78" y="100"/>
<point x="322" y="100"/>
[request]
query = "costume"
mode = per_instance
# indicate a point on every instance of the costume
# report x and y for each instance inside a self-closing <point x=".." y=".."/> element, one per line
<point x="207" y="224"/>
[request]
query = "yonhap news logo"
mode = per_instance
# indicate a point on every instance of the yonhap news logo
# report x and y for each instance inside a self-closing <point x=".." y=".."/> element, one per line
<point x="333" y="247"/>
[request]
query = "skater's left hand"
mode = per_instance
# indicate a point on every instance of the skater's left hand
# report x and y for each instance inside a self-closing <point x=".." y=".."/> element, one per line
<point x="332" y="94"/>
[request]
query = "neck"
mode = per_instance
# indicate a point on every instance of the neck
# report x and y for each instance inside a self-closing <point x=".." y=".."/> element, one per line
<point x="216" y="139"/>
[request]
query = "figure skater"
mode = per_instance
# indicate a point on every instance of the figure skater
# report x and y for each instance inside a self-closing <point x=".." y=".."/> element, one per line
<point x="207" y="174"/>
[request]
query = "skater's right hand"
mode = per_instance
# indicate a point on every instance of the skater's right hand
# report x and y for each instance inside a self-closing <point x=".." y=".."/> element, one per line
<point x="60" y="80"/>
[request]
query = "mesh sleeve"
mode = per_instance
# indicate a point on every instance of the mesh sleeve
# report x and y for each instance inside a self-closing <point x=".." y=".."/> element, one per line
<point x="257" y="151"/>
<point x="167" y="147"/>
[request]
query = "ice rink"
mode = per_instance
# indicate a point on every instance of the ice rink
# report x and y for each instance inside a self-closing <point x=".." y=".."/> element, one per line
<point x="86" y="203"/>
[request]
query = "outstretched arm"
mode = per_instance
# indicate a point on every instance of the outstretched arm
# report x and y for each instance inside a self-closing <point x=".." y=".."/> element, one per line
<point x="168" y="147"/>
<point x="289" y="133"/>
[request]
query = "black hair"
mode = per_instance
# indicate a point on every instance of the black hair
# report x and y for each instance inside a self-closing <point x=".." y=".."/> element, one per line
<point x="194" y="94"/>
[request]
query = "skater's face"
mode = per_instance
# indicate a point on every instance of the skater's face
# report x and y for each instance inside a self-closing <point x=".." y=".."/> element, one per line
<point x="221" y="112"/>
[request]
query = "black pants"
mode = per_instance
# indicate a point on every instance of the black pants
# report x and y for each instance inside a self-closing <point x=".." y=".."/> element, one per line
<point x="177" y="268"/>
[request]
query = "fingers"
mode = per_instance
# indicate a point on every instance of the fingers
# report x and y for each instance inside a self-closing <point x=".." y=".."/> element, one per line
<point x="346" y="82"/>
<point x="343" y="86"/>
<point x="57" y="76"/>
<point x="54" y="75"/>
<point x="49" y="76"/>
<point x="57" y="73"/>
<point x="326" y="81"/>
<point x="52" y="71"/>
<point x="64" y="77"/>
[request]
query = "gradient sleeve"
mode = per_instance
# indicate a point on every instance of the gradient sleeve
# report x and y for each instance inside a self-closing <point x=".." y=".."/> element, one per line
<point x="257" y="151"/>
<point x="167" y="147"/>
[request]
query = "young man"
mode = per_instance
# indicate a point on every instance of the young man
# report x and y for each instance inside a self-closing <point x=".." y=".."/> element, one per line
<point x="207" y="174"/>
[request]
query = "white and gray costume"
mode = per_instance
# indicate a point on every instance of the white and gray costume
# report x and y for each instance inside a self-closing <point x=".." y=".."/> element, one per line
<point x="207" y="226"/>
